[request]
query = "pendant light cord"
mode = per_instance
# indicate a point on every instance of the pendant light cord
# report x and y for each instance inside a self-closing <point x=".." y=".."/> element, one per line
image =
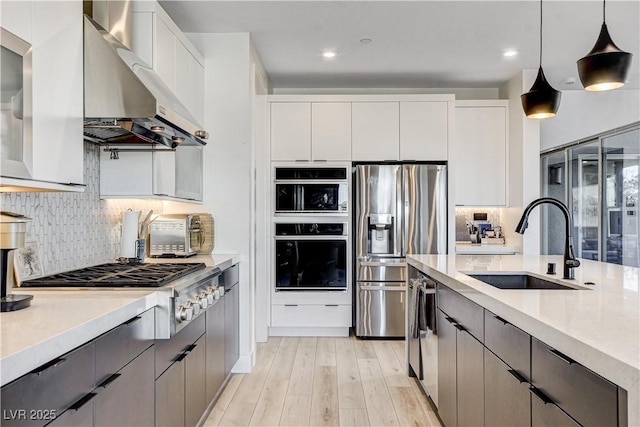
<point x="603" y="12"/>
<point x="540" y="33"/>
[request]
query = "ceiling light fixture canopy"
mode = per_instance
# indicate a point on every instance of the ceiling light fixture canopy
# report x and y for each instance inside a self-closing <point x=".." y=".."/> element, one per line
<point x="542" y="101"/>
<point x="606" y="67"/>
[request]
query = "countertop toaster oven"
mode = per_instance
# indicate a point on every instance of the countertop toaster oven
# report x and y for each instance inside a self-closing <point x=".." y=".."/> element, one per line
<point x="175" y="235"/>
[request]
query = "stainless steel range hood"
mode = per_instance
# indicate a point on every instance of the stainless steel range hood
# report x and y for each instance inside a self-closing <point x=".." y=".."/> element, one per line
<point x="125" y="102"/>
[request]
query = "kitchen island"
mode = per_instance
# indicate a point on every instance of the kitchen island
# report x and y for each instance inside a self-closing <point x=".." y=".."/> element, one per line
<point x="597" y="325"/>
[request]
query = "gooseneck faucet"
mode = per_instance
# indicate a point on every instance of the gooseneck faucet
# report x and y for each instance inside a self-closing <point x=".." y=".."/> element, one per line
<point x="570" y="261"/>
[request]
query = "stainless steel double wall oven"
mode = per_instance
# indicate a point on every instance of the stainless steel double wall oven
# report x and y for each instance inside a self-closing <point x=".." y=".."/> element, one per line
<point x="312" y="249"/>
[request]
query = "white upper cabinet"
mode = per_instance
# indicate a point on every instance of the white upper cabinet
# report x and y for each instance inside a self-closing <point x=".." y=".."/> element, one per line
<point x="480" y="153"/>
<point x="291" y="131"/>
<point x="331" y="131"/>
<point x="375" y="131"/>
<point x="159" y="42"/>
<point x="57" y="143"/>
<point x="424" y="131"/>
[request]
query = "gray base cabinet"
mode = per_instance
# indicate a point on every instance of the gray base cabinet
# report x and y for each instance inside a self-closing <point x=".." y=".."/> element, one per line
<point x="229" y="280"/>
<point x="506" y="396"/>
<point x="215" y="348"/>
<point x="195" y="383"/>
<point x="170" y="396"/>
<point x="493" y="373"/>
<point x="126" y="399"/>
<point x="470" y="372"/>
<point x="447" y="378"/>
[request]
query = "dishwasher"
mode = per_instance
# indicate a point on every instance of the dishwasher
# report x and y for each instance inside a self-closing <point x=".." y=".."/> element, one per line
<point x="422" y="331"/>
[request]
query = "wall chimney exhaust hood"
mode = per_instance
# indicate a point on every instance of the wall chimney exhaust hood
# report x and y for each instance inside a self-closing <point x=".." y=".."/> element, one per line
<point x="125" y="102"/>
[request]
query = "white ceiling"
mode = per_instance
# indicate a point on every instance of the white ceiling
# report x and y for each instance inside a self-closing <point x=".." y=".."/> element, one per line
<point x="415" y="44"/>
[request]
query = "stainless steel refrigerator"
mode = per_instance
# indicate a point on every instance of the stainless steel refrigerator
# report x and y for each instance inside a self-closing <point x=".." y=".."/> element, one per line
<point x="400" y="209"/>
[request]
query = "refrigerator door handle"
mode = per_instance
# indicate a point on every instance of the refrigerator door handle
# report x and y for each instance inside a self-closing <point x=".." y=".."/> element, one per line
<point x="383" y="288"/>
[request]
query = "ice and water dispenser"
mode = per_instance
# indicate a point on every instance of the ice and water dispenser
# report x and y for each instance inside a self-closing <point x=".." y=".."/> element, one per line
<point x="380" y="236"/>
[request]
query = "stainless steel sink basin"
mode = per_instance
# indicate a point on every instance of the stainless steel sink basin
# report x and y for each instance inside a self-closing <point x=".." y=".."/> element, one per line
<point x="518" y="281"/>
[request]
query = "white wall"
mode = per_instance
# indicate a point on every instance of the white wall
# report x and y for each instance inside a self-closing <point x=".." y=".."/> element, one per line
<point x="228" y="169"/>
<point x="583" y="114"/>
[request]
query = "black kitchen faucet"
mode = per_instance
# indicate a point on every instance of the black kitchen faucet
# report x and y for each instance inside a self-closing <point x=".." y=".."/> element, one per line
<point x="570" y="261"/>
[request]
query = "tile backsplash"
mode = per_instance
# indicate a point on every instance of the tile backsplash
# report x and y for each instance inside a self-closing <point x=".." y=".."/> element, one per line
<point x="75" y="230"/>
<point x="493" y="217"/>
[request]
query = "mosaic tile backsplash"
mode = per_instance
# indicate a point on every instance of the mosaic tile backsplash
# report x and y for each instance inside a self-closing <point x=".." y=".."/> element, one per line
<point x="493" y="217"/>
<point x="75" y="230"/>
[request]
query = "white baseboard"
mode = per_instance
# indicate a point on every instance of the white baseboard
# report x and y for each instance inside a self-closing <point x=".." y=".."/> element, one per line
<point x="244" y="364"/>
<point x="309" y="332"/>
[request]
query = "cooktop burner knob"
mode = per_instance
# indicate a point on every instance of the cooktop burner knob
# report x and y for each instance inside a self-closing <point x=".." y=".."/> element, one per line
<point x="209" y="295"/>
<point x="202" y="300"/>
<point x="185" y="313"/>
<point x="196" y="307"/>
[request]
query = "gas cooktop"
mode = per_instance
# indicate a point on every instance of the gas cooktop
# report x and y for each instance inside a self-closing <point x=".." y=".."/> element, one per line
<point x="118" y="275"/>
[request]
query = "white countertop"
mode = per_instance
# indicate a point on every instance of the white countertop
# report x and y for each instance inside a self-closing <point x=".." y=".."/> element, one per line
<point x="468" y="248"/>
<point x="599" y="327"/>
<point x="60" y="320"/>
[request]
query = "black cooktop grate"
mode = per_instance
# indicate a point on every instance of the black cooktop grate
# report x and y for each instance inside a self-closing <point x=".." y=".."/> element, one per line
<point x="117" y="275"/>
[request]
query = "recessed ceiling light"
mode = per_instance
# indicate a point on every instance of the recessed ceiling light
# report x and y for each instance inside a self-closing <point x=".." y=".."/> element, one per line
<point x="509" y="53"/>
<point x="329" y="53"/>
<point x="570" y="81"/>
<point x="365" y="41"/>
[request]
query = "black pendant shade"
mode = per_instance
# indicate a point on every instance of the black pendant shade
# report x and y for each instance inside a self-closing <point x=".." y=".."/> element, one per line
<point x="542" y="101"/>
<point x="606" y="66"/>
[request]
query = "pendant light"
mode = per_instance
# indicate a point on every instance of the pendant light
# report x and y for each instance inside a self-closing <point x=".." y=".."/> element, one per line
<point x="606" y="66"/>
<point x="542" y="100"/>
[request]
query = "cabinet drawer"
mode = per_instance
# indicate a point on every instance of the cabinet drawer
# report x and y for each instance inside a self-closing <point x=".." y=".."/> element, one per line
<point x="230" y="277"/>
<point x="54" y="386"/>
<point x="584" y="395"/>
<point x="509" y="343"/>
<point x="545" y="414"/>
<point x="310" y="315"/>
<point x="506" y="396"/>
<point x="121" y="345"/>
<point x="128" y="398"/>
<point x="464" y="311"/>
<point x="168" y="350"/>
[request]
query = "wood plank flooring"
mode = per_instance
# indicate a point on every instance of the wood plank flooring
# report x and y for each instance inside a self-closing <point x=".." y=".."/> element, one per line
<point x="322" y="381"/>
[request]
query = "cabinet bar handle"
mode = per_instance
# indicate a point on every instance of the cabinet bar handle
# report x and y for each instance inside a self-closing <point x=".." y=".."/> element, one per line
<point x="500" y="319"/>
<point x="565" y="359"/>
<point x="190" y="348"/>
<point x="55" y="362"/>
<point x="291" y="305"/>
<point x="80" y="403"/>
<point x="109" y="380"/>
<point x="517" y="376"/>
<point x="450" y="320"/>
<point x="331" y="305"/>
<point x="181" y="357"/>
<point x="130" y="321"/>
<point x="459" y="327"/>
<point x="540" y="395"/>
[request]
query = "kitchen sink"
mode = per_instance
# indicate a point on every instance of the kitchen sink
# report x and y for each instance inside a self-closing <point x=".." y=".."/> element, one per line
<point x="518" y="281"/>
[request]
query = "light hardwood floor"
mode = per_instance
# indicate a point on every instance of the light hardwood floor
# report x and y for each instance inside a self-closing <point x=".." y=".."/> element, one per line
<point x="320" y="381"/>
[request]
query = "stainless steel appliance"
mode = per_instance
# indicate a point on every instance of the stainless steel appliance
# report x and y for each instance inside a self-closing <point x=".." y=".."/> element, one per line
<point x="311" y="256"/>
<point x="13" y="228"/>
<point x="184" y="289"/>
<point x="175" y="235"/>
<point x="311" y="190"/>
<point x="400" y="209"/>
<point x="423" y="332"/>
<point x="125" y="100"/>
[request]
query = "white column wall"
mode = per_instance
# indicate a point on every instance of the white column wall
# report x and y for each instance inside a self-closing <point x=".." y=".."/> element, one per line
<point x="228" y="174"/>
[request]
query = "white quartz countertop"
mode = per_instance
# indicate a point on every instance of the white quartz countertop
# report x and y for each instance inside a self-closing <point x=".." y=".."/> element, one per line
<point x="598" y="327"/>
<point x="62" y="319"/>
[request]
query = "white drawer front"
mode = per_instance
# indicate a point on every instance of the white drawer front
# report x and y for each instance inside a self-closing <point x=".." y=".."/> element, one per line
<point x="301" y="315"/>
